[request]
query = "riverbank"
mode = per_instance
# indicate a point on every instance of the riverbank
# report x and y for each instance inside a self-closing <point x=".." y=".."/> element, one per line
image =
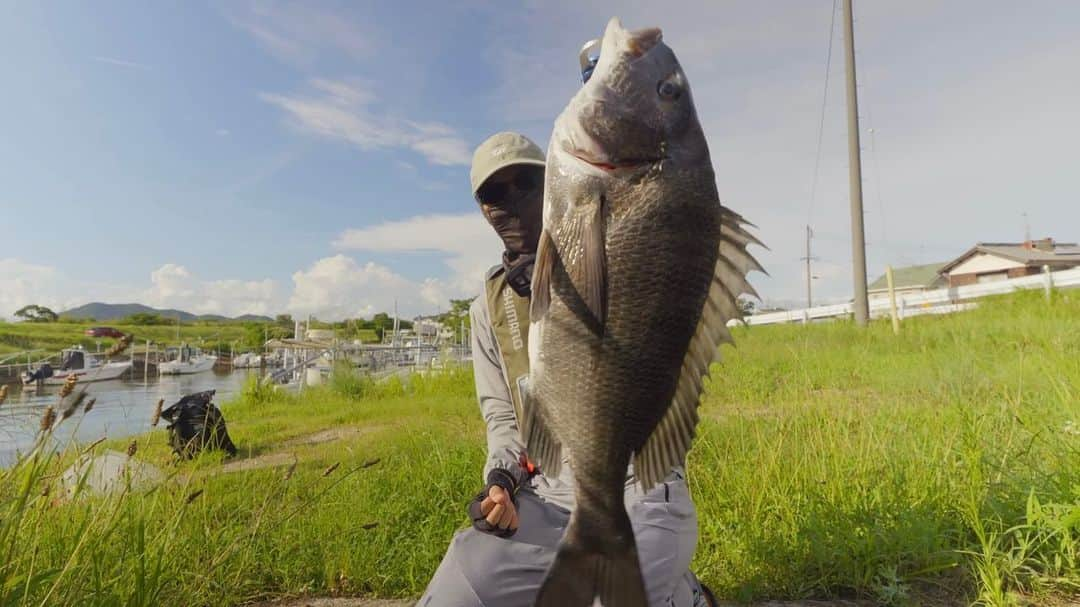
<point x="937" y="468"/>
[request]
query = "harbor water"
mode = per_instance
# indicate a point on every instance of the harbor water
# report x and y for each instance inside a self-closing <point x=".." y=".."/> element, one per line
<point x="123" y="408"/>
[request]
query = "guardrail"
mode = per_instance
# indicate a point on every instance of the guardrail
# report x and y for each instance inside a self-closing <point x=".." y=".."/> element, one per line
<point x="940" y="301"/>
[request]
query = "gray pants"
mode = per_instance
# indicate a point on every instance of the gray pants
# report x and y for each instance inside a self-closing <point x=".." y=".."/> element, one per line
<point x="481" y="570"/>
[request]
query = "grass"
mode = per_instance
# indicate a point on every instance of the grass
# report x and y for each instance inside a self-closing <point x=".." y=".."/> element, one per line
<point x="51" y="337"/>
<point x="938" y="467"/>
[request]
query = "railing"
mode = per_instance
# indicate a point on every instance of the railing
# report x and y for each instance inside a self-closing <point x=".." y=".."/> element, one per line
<point x="940" y="301"/>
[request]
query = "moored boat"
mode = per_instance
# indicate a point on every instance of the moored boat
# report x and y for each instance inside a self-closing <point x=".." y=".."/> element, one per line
<point x="86" y="366"/>
<point x="188" y="361"/>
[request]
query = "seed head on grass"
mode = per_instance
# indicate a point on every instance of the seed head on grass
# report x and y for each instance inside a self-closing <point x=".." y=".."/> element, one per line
<point x="291" y="470"/>
<point x="331" y="469"/>
<point x="3" y="394"/>
<point x="69" y="385"/>
<point x="47" y="419"/>
<point x="119" y="346"/>
<point x="193" y="496"/>
<point x="157" y="413"/>
<point x="89" y="405"/>
<point x="132" y="448"/>
<point x="91" y="446"/>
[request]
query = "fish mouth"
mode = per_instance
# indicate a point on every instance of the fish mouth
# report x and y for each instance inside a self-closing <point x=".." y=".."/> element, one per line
<point x="611" y="165"/>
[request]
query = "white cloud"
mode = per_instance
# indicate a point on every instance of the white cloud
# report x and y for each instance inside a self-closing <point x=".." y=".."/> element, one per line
<point x="23" y="283"/>
<point x="300" y="33"/>
<point x="173" y="286"/>
<point x="338" y="287"/>
<point x="348" y="112"/>
<point x="468" y="244"/>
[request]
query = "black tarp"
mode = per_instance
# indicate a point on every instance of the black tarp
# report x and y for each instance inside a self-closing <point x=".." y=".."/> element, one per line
<point x="197" y="424"/>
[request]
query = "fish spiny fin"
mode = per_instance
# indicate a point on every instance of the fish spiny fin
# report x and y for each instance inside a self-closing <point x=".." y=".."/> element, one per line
<point x="671" y="439"/>
<point x="541" y="283"/>
<point x="541" y="445"/>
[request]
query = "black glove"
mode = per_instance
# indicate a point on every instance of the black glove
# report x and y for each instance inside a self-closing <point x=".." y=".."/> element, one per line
<point x="500" y="478"/>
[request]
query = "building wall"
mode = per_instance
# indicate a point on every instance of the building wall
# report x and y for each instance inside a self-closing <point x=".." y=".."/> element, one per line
<point x="980" y="263"/>
<point x="970" y="278"/>
<point x="983" y="267"/>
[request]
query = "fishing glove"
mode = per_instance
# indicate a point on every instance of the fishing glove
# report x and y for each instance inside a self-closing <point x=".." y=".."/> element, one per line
<point x="501" y="478"/>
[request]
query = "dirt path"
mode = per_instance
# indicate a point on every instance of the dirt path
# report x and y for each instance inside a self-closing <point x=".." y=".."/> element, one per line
<point x="287" y="456"/>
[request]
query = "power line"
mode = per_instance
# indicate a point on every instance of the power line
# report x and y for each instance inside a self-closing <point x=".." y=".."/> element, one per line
<point x="883" y="222"/>
<point x="821" y="122"/>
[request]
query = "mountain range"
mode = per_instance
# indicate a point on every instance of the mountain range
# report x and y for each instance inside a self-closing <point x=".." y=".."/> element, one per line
<point x="105" y="311"/>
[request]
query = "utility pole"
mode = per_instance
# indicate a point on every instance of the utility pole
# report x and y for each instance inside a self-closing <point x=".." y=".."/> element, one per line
<point x="809" y="275"/>
<point x="858" y="237"/>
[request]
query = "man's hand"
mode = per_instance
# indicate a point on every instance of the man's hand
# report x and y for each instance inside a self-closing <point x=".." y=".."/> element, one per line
<point x="493" y="510"/>
<point x="499" y="510"/>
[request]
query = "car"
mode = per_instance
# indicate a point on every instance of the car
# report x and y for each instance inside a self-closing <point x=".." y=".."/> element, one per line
<point x="104" y="332"/>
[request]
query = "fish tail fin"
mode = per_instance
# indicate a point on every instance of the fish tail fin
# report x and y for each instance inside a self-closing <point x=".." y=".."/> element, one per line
<point x="609" y="571"/>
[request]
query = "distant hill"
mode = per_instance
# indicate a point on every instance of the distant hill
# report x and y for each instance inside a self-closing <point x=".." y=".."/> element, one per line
<point x="104" y="311"/>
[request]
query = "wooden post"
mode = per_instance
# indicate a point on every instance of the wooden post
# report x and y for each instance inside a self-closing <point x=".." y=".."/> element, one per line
<point x="892" y="301"/>
<point x="1048" y="282"/>
<point x="146" y="365"/>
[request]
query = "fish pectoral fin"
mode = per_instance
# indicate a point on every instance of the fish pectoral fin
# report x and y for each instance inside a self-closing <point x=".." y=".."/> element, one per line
<point x="542" y="446"/>
<point x="594" y="257"/>
<point x="669" y="442"/>
<point x="546" y="255"/>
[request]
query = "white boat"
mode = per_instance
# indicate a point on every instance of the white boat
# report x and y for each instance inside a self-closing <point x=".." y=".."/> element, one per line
<point x="188" y="361"/>
<point x="248" y="360"/>
<point x="86" y="366"/>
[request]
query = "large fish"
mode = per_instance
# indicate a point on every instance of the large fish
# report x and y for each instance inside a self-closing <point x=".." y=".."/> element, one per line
<point x="637" y="273"/>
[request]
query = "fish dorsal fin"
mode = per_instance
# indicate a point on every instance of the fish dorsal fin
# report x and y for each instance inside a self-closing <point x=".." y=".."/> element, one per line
<point x="669" y="442"/>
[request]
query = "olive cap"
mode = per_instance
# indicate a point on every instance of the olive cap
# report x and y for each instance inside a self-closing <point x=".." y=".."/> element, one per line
<point x="500" y="151"/>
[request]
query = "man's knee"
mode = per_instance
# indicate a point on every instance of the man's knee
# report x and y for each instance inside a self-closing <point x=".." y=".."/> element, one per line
<point x="450" y="587"/>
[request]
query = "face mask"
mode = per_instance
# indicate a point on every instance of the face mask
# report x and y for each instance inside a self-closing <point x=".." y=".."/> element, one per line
<point x="515" y="209"/>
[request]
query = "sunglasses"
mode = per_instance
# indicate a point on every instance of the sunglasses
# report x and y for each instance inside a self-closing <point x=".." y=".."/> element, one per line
<point x="495" y="193"/>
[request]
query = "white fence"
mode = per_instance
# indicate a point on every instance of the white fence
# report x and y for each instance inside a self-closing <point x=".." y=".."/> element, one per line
<point x="941" y="301"/>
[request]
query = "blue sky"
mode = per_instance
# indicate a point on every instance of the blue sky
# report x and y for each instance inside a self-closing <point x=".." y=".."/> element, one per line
<point x="312" y="158"/>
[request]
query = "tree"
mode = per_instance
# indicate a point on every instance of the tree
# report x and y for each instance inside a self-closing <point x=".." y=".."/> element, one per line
<point x="457" y="316"/>
<point x="36" y="313"/>
<point x="145" y="319"/>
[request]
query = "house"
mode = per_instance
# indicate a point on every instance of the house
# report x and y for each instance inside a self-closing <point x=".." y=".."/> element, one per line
<point x="992" y="261"/>
<point x="912" y="279"/>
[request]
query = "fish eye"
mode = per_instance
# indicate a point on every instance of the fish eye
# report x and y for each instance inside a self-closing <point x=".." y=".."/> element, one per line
<point x="668" y="90"/>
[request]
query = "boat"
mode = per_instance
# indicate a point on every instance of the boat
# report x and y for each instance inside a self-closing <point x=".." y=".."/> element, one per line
<point x="85" y="366"/>
<point x="188" y="361"/>
<point x="248" y="360"/>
